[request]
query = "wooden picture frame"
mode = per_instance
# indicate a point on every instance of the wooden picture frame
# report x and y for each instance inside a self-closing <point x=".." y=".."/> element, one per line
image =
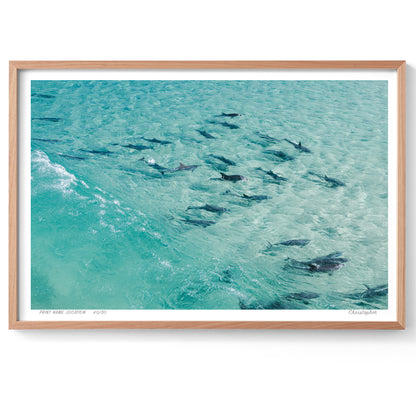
<point x="18" y="67"/>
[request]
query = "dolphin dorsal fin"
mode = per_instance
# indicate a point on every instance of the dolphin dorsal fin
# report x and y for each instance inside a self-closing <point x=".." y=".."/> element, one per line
<point x="181" y="164"/>
<point x="368" y="287"/>
<point x="223" y="174"/>
<point x="245" y="196"/>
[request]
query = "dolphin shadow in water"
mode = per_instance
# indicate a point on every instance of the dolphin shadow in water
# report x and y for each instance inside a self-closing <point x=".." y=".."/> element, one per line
<point x="277" y="154"/>
<point x="200" y="223"/>
<point x="231" y="126"/>
<point x="206" y="134"/>
<point x="219" y="163"/>
<point x="268" y="138"/>
<point x="223" y="159"/>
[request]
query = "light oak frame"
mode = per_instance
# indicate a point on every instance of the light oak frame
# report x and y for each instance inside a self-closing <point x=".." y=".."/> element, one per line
<point x="15" y="66"/>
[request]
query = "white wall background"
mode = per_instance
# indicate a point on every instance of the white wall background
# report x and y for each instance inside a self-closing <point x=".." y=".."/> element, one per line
<point x="208" y="372"/>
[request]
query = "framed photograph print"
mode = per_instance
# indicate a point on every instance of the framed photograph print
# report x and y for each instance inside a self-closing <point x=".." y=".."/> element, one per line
<point x="226" y="194"/>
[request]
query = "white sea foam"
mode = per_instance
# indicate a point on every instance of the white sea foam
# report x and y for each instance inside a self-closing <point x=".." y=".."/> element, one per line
<point x="59" y="177"/>
<point x="100" y="198"/>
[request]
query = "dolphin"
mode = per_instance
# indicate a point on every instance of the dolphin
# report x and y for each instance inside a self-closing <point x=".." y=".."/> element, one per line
<point x="97" y="152"/>
<point x="42" y="95"/>
<point x="71" y="157"/>
<point x="302" y="295"/>
<point x="157" y="141"/>
<point x="227" y="276"/>
<point x="280" y="155"/>
<point x="325" y="267"/>
<point x="276" y="304"/>
<point x="292" y="243"/>
<point x="277" y="178"/>
<point x="181" y="167"/>
<point x="46" y="140"/>
<point x="332" y="182"/>
<point x="324" y="264"/>
<point x="136" y="146"/>
<point x="248" y="197"/>
<point x="299" y="146"/>
<point x="202" y="223"/>
<point x="228" y="192"/>
<point x="370" y="293"/>
<point x="206" y="134"/>
<point x="210" y="208"/>
<point x="53" y="119"/>
<point x="256" y="197"/>
<point x="299" y="242"/>
<point x="224" y="160"/>
<point x="232" y="178"/>
<point x="232" y="115"/>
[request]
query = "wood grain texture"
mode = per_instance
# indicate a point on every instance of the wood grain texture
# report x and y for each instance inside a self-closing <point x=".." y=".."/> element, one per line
<point x="401" y="197"/>
<point x="15" y="66"/>
<point x="207" y="64"/>
<point x="205" y="325"/>
<point x="12" y="195"/>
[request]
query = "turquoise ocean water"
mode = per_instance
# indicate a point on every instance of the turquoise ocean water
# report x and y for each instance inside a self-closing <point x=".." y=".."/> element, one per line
<point x="111" y="228"/>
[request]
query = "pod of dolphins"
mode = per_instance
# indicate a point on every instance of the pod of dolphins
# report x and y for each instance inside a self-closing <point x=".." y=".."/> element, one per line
<point x="323" y="264"/>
